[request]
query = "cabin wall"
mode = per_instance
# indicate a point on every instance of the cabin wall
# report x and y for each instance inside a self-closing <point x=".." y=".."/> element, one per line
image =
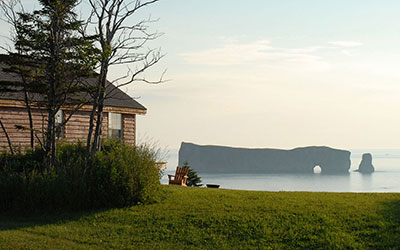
<point x="18" y="116"/>
<point x="76" y="128"/>
<point x="129" y="129"/>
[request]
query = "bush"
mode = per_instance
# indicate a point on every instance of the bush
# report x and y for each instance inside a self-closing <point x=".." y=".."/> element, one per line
<point x="125" y="175"/>
<point x="117" y="176"/>
<point x="18" y="163"/>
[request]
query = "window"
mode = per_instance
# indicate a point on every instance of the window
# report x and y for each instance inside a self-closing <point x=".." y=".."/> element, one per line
<point x="59" y="119"/>
<point x="115" y="125"/>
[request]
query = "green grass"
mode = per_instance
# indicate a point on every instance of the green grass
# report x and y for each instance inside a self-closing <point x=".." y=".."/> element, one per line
<point x="199" y="218"/>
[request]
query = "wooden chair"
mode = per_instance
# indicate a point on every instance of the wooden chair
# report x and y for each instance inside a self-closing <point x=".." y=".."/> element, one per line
<point x="180" y="176"/>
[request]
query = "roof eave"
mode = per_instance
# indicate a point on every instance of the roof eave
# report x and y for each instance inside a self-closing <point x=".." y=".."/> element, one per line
<point x="86" y="108"/>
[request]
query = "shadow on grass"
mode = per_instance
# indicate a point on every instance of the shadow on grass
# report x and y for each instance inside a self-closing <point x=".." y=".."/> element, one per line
<point x="389" y="237"/>
<point x="10" y="221"/>
<point x="392" y="211"/>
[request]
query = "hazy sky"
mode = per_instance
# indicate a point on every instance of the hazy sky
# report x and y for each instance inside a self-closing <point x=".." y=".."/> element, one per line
<point x="278" y="74"/>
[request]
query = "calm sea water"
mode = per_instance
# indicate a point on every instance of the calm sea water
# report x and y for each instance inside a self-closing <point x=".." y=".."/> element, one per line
<point x="385" y="179"/>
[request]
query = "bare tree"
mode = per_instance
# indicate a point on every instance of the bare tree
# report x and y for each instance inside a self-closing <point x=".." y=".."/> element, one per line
<point x="121" y="43"/>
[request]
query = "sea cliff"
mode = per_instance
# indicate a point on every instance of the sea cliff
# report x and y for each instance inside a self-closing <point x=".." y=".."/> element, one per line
<point x="220" y="159"/>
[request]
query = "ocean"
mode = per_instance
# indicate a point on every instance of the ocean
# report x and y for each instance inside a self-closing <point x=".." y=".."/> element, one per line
<point x="386" y="177"/>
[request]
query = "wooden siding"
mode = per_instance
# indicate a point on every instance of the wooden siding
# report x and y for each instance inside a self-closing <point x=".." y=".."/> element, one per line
<point x="18" y="116"/>
<point x="129" y="129"/>
<point x="76" y="128"/>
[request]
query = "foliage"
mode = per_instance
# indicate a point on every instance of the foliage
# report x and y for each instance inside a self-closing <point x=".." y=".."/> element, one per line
<point x="200" y="218"/>
<point x="117" y="176"/>
<point x="193" y="179"/>
<point x="57" y="58"/>
<point x="51" y="57"/>
<point x="128" y="175"/>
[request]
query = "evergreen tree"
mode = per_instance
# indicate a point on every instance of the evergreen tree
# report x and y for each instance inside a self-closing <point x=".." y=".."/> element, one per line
<point x="59" y="55"/>
<point x="193" y="179"/>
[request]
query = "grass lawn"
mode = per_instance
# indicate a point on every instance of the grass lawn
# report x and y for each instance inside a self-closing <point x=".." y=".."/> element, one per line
<point x="199" y="218"/>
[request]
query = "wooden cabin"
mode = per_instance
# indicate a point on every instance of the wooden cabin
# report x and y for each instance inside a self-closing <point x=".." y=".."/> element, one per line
<point x="119" y="117"/>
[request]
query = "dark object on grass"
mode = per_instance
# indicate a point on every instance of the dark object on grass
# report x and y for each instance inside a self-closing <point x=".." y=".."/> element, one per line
<point x="212" y="185"/>
<point x="193" y="179"/>
<point x="366" y="166"/>
<point x="180" y="177"/>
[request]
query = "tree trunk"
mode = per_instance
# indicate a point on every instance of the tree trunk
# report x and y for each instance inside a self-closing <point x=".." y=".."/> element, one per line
<point x="28" y="108"/>
<point x="99" y="121"/>
<point x="8" y="138"/>
<point x="91" y="123"/>
<point x="97" y="110"/>
<point x="49" y="138"/>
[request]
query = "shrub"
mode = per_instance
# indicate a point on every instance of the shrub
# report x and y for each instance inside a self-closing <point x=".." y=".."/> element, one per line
<point x="119" y="175"/>
<point x="19" y="162"/>
<point x="124" y="175"/>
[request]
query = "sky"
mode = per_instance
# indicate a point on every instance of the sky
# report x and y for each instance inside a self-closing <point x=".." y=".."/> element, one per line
<point x="273" y="74"/>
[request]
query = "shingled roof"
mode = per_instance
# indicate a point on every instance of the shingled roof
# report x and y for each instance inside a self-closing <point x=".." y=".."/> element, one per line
<point x="115" y="97"/>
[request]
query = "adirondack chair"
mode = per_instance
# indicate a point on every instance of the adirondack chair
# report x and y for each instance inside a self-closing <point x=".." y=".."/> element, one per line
<point x="180" y="176"/>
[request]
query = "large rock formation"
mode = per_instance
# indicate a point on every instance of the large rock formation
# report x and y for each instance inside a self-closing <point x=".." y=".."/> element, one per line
<point x="218" y="159"/>
<point x="366" y="166"/>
